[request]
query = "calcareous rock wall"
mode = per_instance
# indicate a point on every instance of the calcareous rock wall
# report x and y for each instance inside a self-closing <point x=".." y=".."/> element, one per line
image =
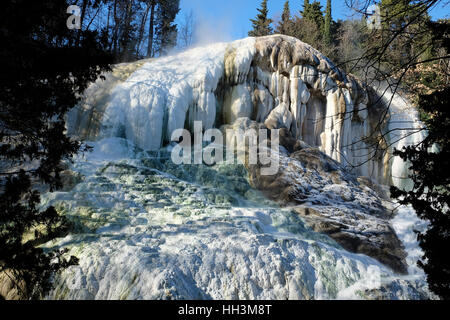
<point x="276" y="80"/>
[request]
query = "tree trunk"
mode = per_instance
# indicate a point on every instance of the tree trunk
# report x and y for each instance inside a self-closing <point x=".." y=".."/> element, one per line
<point x="116" y="30"/>
<point x="141" y="31"/>
<point x="107" y="27"/>
<point x="126" y="33"/>
<point x="151" y="29"/>
<point x="83" y="13"/>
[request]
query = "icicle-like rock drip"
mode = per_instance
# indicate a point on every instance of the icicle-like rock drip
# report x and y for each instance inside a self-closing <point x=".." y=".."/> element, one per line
<point x="276" y="80"/>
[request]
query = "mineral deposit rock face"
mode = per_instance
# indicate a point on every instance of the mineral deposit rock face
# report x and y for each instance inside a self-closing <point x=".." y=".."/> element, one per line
<point x="146" y="228"/>
<point x="330" y="199"/>
<point x="276" y="80"/>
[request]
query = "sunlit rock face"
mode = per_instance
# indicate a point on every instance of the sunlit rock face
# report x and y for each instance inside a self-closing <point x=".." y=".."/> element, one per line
<point x="329" y="198"/>
<point x="145" y="228"/>
<point x="276" y="80"/>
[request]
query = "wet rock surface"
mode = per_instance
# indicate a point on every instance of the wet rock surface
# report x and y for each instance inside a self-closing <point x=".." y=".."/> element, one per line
<point x="332" y="201"/>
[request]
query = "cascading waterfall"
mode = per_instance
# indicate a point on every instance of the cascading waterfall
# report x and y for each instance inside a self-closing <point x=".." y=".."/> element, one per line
<point x="405" y="130"/>
<point x="145" y="228"/>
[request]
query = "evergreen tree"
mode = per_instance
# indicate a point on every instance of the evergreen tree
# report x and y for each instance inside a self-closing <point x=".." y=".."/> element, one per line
<point x="313" y="13"/>
<point x="151" y="27"/>
<point x="166" y="30"/>
<point x="305" y="10"/>
<point x="327" y="26"/>
<point x="309" y="28"/>
<point x="261" y="25"/>
<point x="284" y="26"/>
<point x="45" y="69"/>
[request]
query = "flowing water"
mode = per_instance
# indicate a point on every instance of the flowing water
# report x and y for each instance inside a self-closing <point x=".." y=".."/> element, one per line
<point x="147" y="229"/>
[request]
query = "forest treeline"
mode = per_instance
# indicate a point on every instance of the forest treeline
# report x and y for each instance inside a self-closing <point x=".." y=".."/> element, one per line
<point x="136" y="29"/>
<point x="357" y="45"/>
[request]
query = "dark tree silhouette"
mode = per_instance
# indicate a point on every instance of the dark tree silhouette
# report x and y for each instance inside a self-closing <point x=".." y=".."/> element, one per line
<point x="45" y="68"/>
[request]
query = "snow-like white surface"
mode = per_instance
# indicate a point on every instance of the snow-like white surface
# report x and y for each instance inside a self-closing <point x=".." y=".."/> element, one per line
<point x="405" y="224"/>
<point x="221" y="82"/>
<point x="148" y="229"/>
<point x="405" y="130"/>
<point x="155" y="100"/>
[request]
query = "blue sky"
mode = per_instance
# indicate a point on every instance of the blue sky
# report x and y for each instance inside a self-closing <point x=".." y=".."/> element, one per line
<point x="225" y="20"/>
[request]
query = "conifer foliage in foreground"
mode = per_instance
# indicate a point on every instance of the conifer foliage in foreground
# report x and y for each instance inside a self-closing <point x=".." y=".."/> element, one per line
<point x="45" y="68"/>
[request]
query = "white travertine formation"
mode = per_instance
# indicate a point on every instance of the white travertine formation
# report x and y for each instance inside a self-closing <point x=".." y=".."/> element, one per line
<point x="145" y="228"/>
<point x="276" y="80"/>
